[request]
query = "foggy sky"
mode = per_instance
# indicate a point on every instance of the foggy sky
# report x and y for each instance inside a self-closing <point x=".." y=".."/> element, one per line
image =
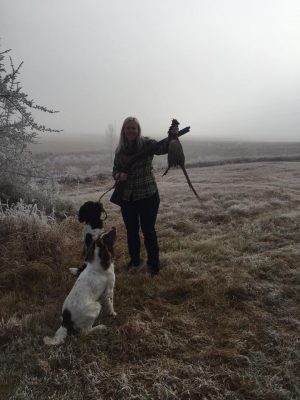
<point x="228" y="68"/>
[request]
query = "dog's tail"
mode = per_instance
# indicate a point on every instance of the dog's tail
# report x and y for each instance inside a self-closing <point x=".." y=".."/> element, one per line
<point x="58" y="338"/>
<point x="61" y="332"/>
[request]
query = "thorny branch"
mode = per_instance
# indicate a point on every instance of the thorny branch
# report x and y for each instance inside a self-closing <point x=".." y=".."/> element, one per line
<point x="18" y="128"/>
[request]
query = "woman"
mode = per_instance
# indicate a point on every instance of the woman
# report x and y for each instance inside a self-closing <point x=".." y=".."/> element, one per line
<point x="140" y="198"/>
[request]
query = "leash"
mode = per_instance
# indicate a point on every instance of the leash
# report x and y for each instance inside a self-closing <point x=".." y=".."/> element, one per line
<point x="108" y="190"/>
<point x="103" y="194"/>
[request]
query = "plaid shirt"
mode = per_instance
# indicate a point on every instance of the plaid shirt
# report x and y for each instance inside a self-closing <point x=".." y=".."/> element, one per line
<point x="140" y="181"/>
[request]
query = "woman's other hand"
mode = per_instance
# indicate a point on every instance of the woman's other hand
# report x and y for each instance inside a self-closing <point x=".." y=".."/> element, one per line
<point x="174" y="130"/>
<point x="122" y="177"/>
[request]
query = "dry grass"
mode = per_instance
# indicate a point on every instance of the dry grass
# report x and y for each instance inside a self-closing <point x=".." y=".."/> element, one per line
<point x="221" y="321"/>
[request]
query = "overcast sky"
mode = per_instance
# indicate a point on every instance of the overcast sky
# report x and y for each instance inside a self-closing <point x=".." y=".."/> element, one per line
<point x="228" y="68"/>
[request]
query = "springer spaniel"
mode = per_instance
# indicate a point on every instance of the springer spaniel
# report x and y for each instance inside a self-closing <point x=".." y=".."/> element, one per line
<point x="93" y="288"/>
<point x="90" y="214"/>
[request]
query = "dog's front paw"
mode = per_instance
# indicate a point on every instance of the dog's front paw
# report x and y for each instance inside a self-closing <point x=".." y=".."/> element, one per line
<point x="74" y="271"/>
<point x="50" y="341"/>
<point x="99" y="327"/>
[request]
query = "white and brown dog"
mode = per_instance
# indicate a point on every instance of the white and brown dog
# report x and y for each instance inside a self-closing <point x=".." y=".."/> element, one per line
<point x="93" y="288"/>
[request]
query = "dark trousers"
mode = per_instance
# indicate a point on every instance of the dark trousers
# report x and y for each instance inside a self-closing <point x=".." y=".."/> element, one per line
<point x="142" y="213"/>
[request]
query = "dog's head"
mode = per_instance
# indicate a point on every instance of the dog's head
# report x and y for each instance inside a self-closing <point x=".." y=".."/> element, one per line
<point x="90" y="213"/>
<point x="104" y="245"/>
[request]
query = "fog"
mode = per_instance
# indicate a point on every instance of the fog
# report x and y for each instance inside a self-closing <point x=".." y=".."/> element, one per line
<point x="229" y="69"/>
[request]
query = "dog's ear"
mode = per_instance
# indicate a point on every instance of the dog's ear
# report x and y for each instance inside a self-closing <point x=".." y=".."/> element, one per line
<point x="82" y="213"/>
<point x="97" y="210"/>
<point x="110" y="238"/>
<point x="100" y="206"/>
<point x="101" y="210"/>
<point x="88" y="240"/>
<point x="90" y="252"/>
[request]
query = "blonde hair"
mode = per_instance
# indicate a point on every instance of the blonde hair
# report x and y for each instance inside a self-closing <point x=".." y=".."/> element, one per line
<point x="123" y="143"/>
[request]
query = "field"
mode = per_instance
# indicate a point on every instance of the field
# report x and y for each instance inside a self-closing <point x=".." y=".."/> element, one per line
<point x="75" y="161"/>
<point x="221" y="320"/>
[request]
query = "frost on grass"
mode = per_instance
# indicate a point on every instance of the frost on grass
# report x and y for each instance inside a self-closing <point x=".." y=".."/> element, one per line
<point x="220" y="321"/>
